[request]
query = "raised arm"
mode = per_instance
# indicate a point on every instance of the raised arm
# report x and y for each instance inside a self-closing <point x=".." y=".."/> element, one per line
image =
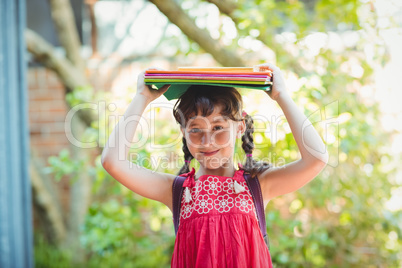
<point x="115" y="155"/>
<point x="291" y="177"/>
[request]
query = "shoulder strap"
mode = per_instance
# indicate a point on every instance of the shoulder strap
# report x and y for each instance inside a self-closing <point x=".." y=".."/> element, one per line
<point x="255" y="190"/>
<point x="177" y="192"/>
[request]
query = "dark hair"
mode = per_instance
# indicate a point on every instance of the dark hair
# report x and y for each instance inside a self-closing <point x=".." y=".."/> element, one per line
<point x="201" y="100"/>
<point x="251" y="166"/>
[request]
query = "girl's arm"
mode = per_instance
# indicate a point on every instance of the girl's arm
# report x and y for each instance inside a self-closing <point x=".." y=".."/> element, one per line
<point x="115" y="158"/>
<point x="291" y="177"/>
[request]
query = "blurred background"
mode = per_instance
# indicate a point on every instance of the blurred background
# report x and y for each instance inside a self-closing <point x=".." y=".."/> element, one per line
<point x="342" y="62"/>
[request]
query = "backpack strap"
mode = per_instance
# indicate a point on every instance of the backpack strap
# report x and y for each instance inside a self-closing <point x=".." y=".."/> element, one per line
<point x="177" y="192"/>
<point x="255" y="190"/>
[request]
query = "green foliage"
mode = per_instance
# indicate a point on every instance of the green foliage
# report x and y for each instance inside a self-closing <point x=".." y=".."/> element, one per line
<point x="64" y="164"/>
<point x="289" y="250"/>
<point x="119" y="235"/>
<point x="80" y="95"/>
<point x="124" y="229"/>
<point x="46" y="255"/>
<point x="338" y="220"/>
<point x="300" y="17"/>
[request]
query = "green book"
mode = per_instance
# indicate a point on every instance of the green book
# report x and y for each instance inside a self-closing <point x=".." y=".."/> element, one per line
<point x="178" y="88"/>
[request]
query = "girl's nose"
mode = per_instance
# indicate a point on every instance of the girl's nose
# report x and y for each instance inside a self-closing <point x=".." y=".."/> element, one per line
<point x="206" y="138"/>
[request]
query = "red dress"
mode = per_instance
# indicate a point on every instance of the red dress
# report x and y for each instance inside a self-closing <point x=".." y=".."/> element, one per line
<point x="218" y="227"/>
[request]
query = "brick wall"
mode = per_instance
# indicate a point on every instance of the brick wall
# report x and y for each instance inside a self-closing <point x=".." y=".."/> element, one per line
<point x="47" y="110"/>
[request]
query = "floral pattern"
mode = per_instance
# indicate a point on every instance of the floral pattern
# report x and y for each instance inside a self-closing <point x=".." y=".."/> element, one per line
<point x="195" y="191"/>
<point x="186" y="211"/>
<point x="214" y="194"/>
<point x="212" y="185"/>
<point x="228" y="186"/>
<point x="244" y="202"/>
<point x="203" y="204"/>
<point x="223" y="203"/>
<point x="244" y="184"/>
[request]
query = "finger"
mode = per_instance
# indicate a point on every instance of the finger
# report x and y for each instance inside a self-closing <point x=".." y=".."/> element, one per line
<point x="155" y="68"/>
<point x="141" y="77"/>
<point x="271" y="66"/>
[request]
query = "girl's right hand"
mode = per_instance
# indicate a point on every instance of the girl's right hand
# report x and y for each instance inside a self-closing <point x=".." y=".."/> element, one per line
<point x="147" y="91"/>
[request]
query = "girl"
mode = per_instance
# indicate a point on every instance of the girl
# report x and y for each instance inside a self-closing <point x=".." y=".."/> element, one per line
<point x="218" y="224"/>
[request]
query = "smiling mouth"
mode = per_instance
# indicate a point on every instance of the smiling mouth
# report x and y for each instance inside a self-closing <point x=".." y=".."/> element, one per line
<point x="209" y="153"/>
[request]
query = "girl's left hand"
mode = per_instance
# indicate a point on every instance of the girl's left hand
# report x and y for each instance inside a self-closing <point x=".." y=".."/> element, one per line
<point x="278" y="82"/>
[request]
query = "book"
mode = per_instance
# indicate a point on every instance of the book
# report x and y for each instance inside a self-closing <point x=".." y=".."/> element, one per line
<point x="180" y="80"/>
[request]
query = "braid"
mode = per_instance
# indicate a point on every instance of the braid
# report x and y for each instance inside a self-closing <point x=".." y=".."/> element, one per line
<point x="251" y="166"/>
<point x="187" y="157"/>
<point x="248" y="141"/>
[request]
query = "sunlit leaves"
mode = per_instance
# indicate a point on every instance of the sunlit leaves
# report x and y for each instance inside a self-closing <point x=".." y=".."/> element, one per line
<point x="119" y="234"/>
<point x="340" y="219"/>
<point x="64" y="164"/>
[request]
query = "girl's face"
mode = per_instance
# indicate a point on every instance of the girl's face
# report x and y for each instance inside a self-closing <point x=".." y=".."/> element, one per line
<point x="211" y="139"/>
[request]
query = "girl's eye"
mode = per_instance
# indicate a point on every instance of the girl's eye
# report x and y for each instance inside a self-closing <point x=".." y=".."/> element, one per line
<point x="195" y="130"/>
<point x="218" y="128"/>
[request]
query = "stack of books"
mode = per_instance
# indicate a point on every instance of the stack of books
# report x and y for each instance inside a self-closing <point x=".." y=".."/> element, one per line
<point x="240" y="77"/>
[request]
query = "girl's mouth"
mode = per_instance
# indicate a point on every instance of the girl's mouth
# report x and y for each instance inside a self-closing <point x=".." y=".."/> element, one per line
<point x="209" y="153"/>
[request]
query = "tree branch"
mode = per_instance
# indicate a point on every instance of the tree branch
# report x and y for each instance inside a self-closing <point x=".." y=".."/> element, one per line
<point x="178" y="17"/>
<point x="44" y="53"/>
<point x="46" y="201"/>
<point x="72" y="78"/>
<point x="71" y="71"/>
<point x="63" y="18"/>
<point x="69" y="75"/>
<point x="228" y="7"/>
<point x="225" y="6"/>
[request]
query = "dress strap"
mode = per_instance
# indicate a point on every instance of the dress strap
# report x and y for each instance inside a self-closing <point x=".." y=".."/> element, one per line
<point x="190" y="181"/>
<point x="238" y="178"/>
